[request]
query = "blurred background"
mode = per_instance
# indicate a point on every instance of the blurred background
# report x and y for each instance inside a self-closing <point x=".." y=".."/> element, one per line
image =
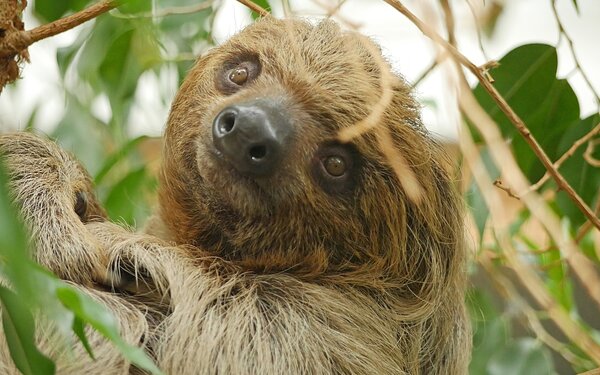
<point x="103" y="90"/>
<point x="508" y="24"/>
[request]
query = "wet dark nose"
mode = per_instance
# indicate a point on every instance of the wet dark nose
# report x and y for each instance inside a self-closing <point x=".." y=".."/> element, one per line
<point x="252" y="136"/>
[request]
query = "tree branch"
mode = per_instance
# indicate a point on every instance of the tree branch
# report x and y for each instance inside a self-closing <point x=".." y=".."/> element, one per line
<point x="587" y="155"/>
<point x="503" y="105"/>
<point x="15" y="42"/>
<point x="564" y="157"/>
<point x="563" y="32"/>
<point x="254" y="7"/>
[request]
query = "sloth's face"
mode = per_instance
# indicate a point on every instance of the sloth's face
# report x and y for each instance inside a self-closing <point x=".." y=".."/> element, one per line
<point x="253" y="164"/>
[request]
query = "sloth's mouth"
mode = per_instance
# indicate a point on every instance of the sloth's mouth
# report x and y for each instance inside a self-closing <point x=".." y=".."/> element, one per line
<point x="222" y="164"/>
<point x="237" y="188"/>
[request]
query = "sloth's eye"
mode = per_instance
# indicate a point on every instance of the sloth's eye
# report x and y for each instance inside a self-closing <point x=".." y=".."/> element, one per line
<point x="239" y="75"/>
<point x="334" y="167"/>
<point x="81" y="204"/>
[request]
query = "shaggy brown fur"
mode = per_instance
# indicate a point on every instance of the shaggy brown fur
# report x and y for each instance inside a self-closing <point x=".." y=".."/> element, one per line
<point x="305" y="281"/>
<point x="288" y="274"/>
<point x="55" y="197"/>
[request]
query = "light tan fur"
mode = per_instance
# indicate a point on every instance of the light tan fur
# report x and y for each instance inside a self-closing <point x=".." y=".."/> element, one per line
<point x="307" y="282"/>
<point x="278" y="276"/>
<point x="44" y="180"/>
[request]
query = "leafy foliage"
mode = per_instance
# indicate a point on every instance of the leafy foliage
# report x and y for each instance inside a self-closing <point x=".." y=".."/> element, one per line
<point x="526" y="78"/>
<point x="495" y="350"/>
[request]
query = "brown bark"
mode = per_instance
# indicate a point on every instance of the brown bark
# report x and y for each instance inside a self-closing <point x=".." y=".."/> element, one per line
<point x="10" y="23"/>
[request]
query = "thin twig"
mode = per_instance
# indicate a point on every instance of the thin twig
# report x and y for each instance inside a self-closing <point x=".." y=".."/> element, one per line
<point x="398" y="162"/>
<point x="334" y="11"/>
<point x="587" y="155"/>
<point x="426" y="72"/>
<point x="18" y="41"/>
<point x="449" y="20"/>
<point x="587" y="226"/>
<point x="503" y="105"/>
<point x="478" y="30"/>
<point x="508" y="190"/>
<point x="254" y="7"/>
<point x="564" y="33"/>
<point x="595" y="130"/>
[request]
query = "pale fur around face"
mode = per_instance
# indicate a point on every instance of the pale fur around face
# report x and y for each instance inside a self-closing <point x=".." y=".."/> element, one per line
<point x="298" y="282"/>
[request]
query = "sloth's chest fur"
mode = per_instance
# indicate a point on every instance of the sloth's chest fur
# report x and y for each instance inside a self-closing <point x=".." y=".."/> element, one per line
<point x="276" y="325"/>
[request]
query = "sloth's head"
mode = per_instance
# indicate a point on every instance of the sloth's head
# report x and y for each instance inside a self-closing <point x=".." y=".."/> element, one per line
<point x="254" y="172"/>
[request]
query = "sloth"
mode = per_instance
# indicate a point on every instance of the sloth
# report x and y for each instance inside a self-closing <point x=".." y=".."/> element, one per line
<point x="278" y="246"/>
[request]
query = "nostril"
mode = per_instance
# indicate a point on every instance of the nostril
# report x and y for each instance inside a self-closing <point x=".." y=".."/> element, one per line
<point x="251" y="137"/>
<point x="227" y="122"/>
<point x="258" y="152"/>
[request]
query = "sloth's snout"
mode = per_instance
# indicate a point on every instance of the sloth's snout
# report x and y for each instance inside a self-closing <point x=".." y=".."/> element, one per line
<point x="252" y="136"/>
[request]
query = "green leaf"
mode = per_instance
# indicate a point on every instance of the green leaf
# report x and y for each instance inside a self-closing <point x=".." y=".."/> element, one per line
<point x="474" y="197"/>
<point x="103" y="321"/>
<point x="113" y="59"/>
<point x="50" y="10"/>
<point x="66" y="55"/>
<point x="126" y="201"/>
<point x="135" y="6"/>
<point x="13" y="242"/>
<point x="112" y="68"/>
<point x="264" y="4"/>
<point x="117" y="157"/>
<point x="583" y="177"/>
<point x="557" y="281"/>
<point x="527" y="79"/>
<point x="523" y="77"/>
<point x="19" y="327"/>
<point x="78" y="329"/>
<point x="478" y="207"/>
<point x="548" y="123"/>
<point x="490" y="331"/>
<point x="524" y="356"/>
<point x="575" y="5"/>
<point x="82" y="134"/>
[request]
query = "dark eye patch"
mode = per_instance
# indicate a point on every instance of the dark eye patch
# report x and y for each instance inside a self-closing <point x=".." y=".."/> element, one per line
<point x="335" y="167"/>
<point x="248" y="63"/>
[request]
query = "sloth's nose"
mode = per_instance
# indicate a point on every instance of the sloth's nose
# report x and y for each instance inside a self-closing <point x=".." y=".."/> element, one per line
<point x="252" y="135"/>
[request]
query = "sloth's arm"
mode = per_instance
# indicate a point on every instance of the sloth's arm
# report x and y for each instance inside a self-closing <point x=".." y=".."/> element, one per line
<point x="54" y="196"/>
